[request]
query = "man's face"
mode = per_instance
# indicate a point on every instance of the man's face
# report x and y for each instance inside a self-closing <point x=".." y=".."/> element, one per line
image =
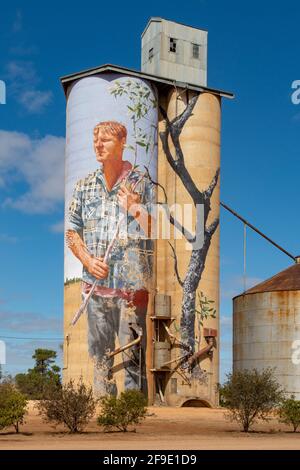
<point x="108" y="147"/>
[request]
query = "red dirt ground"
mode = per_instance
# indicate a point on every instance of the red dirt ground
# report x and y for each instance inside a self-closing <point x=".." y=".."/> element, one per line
<point x="164" y="428"/>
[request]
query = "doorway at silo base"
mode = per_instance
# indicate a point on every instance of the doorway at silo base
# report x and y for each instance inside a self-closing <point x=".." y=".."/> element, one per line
<point x="195" y="403"/>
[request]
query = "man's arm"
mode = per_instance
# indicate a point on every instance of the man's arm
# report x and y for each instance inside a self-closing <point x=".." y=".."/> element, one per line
<point x="131" y="202"/>
<point x="143" y="218"/>
<point x="94" y="266"/>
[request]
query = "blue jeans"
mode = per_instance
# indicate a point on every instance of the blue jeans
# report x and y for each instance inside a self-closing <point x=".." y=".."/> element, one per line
<point x="108" y="317"/>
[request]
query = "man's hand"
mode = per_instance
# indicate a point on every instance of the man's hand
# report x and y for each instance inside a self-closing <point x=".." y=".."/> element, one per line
<point x="128" y="200"/>
<point x="97" y="268"/>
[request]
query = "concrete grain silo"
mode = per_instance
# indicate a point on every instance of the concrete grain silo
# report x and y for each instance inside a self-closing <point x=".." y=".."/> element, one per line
<point x="200" y="141"/>
<point x="182" y="322"/>
<point x="266" y="328"/>
<point x="91" y="101"/>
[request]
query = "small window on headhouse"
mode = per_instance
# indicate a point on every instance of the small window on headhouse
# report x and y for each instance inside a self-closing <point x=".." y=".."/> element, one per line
<point x="196" y="51"/>
<point x="172" y="45"/>
<point x="151" y="53"/>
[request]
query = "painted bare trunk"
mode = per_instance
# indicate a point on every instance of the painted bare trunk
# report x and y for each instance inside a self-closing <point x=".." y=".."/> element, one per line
<point x="190" y="285"/>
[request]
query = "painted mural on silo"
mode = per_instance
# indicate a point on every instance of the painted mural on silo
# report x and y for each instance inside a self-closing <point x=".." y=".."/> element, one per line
<point x="189" y="168"/>
<point x="111" y="163"/>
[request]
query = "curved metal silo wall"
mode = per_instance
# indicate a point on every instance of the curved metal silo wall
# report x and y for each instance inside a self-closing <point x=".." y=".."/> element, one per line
<point x="91" y="100"/>
<point x="200" y="143"/>
<point x="266" y="333"/>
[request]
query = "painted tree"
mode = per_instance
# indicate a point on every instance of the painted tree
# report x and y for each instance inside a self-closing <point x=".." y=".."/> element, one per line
<point x="196" y="265"/>
<point x="141" y="102"/>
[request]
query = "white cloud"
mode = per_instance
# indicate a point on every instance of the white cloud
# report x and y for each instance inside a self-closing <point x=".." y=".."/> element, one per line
<point x="235" y="286"/>
<point x="34" y="100"/>
<point x="18" y="22"/>
<point x="22" y="77"/>
<point x="28" y="325"/>
<point x="58" y="227"/>
<point x="7" y="238"/>
<point x="40" y="163"/>
<point x="23" y="80"/>
<point x="24" y="323"/>
<point x="22" y="70"/>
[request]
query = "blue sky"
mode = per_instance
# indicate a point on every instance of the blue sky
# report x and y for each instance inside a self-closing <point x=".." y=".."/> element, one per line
<point x="252" y="51"/>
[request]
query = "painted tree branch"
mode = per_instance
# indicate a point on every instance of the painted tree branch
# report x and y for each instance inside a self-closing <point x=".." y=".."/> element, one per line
<point x="176" y="265"/>
<point x="208" y="193"/>
<point x="188" y="236"/>
<point x="212" y="228"/>
<point x="213" y="184"/>
<point x="177" y="124"/>
<point x="174" y="129"/>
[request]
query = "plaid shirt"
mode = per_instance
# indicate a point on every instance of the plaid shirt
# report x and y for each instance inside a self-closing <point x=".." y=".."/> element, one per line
<point x="94" y="213"/>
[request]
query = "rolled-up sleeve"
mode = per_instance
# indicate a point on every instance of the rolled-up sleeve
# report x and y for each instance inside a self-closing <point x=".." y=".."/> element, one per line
<point x="75" y="221"/>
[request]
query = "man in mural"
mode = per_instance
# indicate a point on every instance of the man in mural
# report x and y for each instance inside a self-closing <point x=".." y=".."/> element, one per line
<point x="118" y="305"/>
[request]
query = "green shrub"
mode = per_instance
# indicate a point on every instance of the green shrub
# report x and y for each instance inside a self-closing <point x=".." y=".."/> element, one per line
<point x="250" y="395"/>
<point x="289" y="412"/>
<point x="72" y="405"/>
<point x="128" y="409"/>
<point x="12" y="406"/>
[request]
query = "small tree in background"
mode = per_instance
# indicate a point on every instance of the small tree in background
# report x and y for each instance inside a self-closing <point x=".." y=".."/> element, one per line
<point x="72" y="405"/>
<point x="12" y="406"/>
<point x="44" y="358"/>
<point x="289" y="412"/>
<point x="41" y="381"/>
<point x="250" y="395"/>
<point x="128" y="409"/>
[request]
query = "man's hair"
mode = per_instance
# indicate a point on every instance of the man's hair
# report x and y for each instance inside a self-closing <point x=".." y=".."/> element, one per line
<point x="112" y="128"/>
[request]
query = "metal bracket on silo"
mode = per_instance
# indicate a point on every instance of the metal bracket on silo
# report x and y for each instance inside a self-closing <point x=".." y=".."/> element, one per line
<point x="210" y="335"/>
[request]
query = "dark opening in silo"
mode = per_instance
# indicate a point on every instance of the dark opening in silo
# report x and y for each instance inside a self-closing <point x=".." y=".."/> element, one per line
<point x="196" y="403"/>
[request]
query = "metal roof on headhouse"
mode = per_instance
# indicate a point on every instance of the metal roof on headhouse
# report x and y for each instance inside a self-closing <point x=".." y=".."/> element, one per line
<point x="286" y="280"/>
<point x="66" y="80"/>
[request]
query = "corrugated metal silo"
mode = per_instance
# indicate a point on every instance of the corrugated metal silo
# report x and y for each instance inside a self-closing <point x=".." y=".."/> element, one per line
<point x="266" y="328"/>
